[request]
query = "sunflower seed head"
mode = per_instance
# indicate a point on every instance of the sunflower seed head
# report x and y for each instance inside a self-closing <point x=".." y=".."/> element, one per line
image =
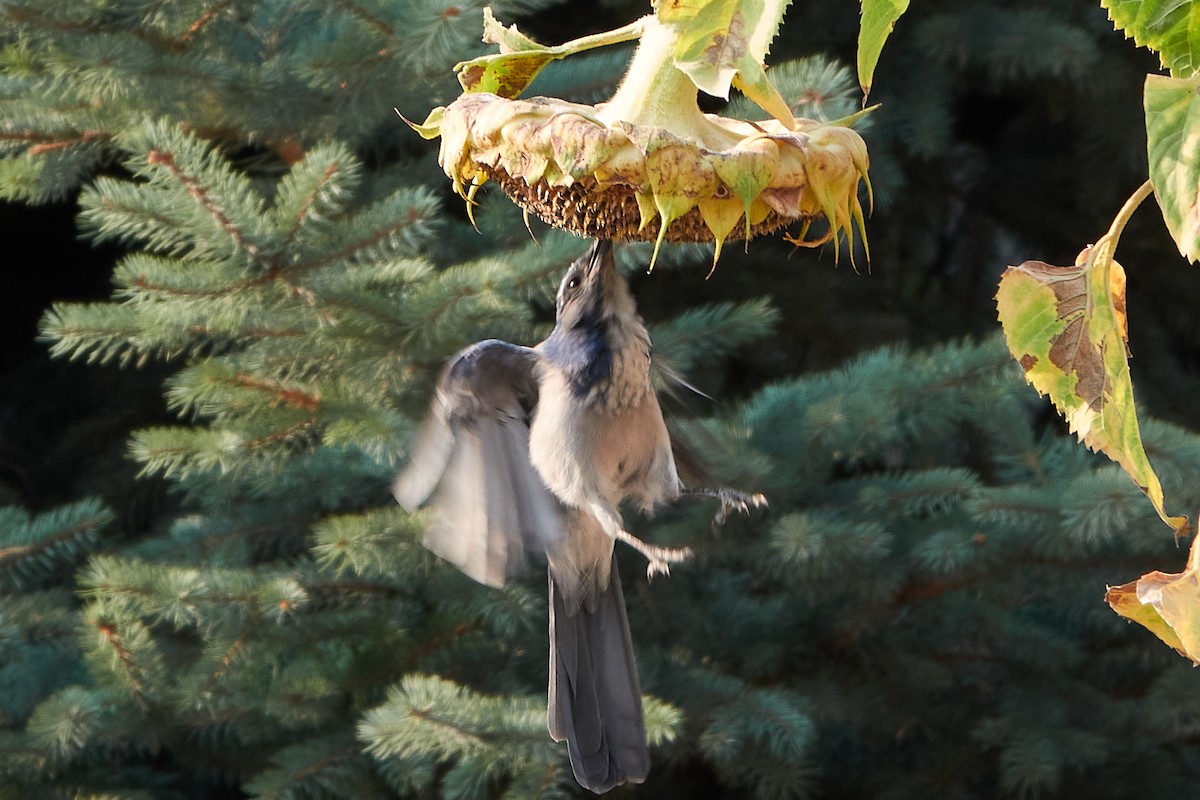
<point x="563" y="162"/>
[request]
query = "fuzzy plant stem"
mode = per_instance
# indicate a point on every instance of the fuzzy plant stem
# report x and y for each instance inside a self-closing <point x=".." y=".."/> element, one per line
<point x="656" y="94"/>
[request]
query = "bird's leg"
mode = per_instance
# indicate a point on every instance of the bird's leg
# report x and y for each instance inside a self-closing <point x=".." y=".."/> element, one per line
<point x="660" y="558"/>
<point x="731" y="500"/>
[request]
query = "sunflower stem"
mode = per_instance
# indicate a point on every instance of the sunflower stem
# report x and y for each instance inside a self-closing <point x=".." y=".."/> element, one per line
<point x="656" y="94"/>
<point x="1131" y="205"/>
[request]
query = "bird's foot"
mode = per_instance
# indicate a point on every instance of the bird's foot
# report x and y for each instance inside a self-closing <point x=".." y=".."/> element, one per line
<point x="733" y="500"/>
<point x="660" y="564"/>
<point x="660" y="558"/>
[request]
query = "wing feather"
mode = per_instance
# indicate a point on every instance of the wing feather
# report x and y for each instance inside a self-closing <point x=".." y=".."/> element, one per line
<point x="492" y="514"/>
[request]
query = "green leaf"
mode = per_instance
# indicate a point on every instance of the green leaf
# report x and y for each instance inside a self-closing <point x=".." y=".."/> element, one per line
<point x="1168" y="605"/>
<point x="720" y="40"/>
<point x="1169" y="27"/>
<point x="1067" y="328"/>
<point x="878" y="19"/>
<point x="1173" y="145"/>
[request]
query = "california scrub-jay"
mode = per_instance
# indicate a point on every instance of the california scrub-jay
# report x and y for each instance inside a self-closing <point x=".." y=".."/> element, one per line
<point x="527" y="454"/>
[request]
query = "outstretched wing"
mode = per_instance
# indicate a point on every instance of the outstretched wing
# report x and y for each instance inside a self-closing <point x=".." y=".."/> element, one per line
<point x="491" y="512"/>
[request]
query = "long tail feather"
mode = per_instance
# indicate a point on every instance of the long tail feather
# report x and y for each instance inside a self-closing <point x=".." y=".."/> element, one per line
<point x="595" y="699"/>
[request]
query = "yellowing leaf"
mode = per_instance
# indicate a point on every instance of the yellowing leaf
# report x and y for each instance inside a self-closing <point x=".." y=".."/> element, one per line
<point x="1066" y="326"/>
<point x="1165" y="26"/>
<point x="718" y="40"/>
<point x="1173" y="145"/>
<point x="1168" y="605"/>
<point x="878" y="19"/>
<point x="510" y="40"/>
<point x="503" y="74"/>
<point x="754" y="83"/>
<point x="431" y="128"/>
<point x="520" y="59"/>
<point x="511" y="70"/>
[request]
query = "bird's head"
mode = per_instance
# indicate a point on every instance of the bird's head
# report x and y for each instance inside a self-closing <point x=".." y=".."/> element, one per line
<point x="594" y="293"/>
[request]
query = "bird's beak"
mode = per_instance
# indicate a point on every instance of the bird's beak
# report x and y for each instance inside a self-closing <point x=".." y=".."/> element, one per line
<point x="600" y="257"/>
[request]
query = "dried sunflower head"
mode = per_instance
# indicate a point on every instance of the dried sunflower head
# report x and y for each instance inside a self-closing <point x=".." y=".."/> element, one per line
<point x="648" y="164"/>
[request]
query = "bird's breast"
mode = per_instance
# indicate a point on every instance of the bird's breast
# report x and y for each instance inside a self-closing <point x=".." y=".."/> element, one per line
<point x="612" y="450"/>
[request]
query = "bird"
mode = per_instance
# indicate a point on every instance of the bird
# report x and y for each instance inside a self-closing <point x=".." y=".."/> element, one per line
<point x="525" y="457"/>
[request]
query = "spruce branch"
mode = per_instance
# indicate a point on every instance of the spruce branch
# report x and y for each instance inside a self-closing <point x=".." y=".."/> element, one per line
<point x="49" y="141"/>
<point x="310" y="201"/>
<point x="336" y="591"/>
<point x="368" y="245"/>
<point x="706" y="334"/>
<point x="35" y="549"/>
<point x="127" y="653"/>
<point x="203" y="21"/>
<point x="63" y="725"/>
<point x="245" y="333"/>
<point x="204" y="197"/>
<point x="375" y="20"/>
<point x="290" y="396"/>
<point x="382" y="542"/>
<point x="142" y="283"/>
<point x="293" y="432"/>
<point x="313" y="769"/>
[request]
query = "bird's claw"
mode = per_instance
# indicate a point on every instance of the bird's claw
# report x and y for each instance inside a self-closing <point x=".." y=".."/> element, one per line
<point x="661" y="558"/>
<point x="733" y="500"/>
<point x="656" y="567"/>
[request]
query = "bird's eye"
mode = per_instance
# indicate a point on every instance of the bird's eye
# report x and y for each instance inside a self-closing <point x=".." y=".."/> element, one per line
<point x="573" y="283"/>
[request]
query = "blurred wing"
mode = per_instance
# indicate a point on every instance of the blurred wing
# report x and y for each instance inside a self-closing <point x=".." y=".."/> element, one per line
<point x="491" y="512"/>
